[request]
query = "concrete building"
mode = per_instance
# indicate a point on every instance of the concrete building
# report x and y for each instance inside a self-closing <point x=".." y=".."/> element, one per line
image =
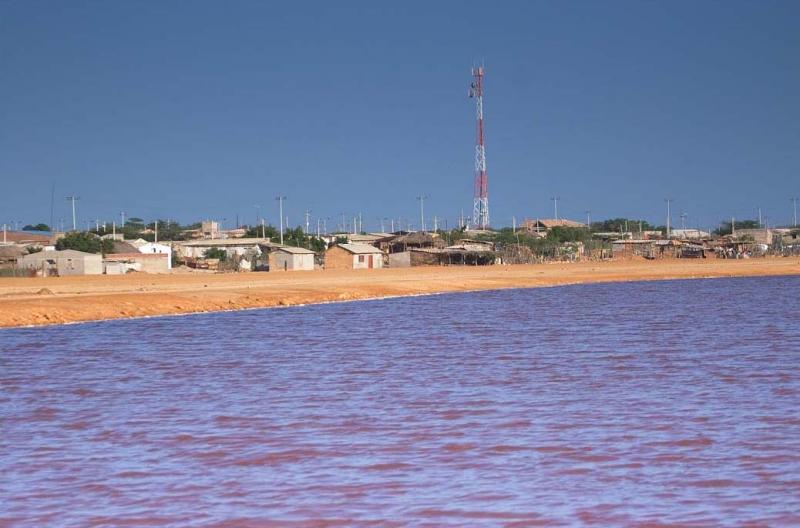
<point x="151" y="248"/>
<point x="209" y="229"/>
<point x="10" y="254"/>
<point x="690" y="234"/>
<point x="759" y="236"/>
<point x="287" y="258"/>
<point x="540" y="227"/>
<point x="232" y="247"/>
<point x="63" y="263"/>
<point x="121" y="263"/>
<point x="353" y="256"/>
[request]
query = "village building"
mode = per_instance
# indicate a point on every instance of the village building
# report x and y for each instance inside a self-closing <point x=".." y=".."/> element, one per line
<point x="465" y="252"/>
<point x="10" y="254"/>
<point x="541" y="226"/>
<point x="288" y="258"/>
<point x="759" y="236"/>
<point x="152" y="248"/>
<point x="407" y="241"/>
<point x="689" y="234"/>
<point x="353" y="256"/>
<point x="196" y="249"/>
<point x="63" y="263"/>
<point x="650" y="249"/>
<point x="366" y="238"/>
<point x="209" y="229"/>
<point x="121" y="263"/>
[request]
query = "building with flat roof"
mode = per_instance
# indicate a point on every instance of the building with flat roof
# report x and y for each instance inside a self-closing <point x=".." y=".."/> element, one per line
<point x="63" y="263"/>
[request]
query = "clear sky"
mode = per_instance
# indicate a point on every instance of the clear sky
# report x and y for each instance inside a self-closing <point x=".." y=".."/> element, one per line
<point x="191" y="109"/>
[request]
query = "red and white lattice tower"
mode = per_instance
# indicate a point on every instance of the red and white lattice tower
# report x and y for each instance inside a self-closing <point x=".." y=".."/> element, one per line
<point x="480" y="208"/>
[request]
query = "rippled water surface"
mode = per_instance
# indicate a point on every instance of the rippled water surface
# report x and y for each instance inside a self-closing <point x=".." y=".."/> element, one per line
<point x="619" y="404"/>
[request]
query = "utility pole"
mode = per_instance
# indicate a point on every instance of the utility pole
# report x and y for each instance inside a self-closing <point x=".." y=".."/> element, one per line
<point x="669" y="217"/>
<point x="435" y="223"/>
<point x="156" y="230"/>
<point x="421" y="199"/>
<point x="52" y="206"/>
<point x="588" y="219"/>
<point x="280" y="212"/>
<point x="308" y="215"/>
<point x="760" y="221"/>
<point x="683" y="220"/>
<point x="555" y="200"/>
<point x="74" y="222"/>
<point x="122" y="223"/>
<point x="514" y="224"/>
<point x="794" y="207"/>
<point x="263" y="228"/>
<point x="258" y="214"/>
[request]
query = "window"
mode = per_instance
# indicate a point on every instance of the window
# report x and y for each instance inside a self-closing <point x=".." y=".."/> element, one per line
<point x="361" y="258"/>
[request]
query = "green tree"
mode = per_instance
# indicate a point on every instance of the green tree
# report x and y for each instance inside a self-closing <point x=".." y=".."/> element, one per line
<point x="725" y="227"/>
<point x="215" y="253"/>
<point x="267" y="231"/>
<point x="561" y="234"/>
<point x="37" y="227"/>
<point x="615" y="225"/>
<point x="86" y="242"/>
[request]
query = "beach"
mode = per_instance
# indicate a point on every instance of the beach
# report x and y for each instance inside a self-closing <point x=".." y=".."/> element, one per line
<point x="60" y="300"/>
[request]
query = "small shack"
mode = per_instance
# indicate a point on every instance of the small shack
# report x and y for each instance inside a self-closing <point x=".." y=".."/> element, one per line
<point x="353" y="256"/>
<point x="63" y="263"/>
<point x="288" y="258"/>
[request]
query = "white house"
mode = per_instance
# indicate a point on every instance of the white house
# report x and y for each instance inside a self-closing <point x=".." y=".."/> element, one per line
<point x="291" y="259"/>
<point x="154" y="248"/>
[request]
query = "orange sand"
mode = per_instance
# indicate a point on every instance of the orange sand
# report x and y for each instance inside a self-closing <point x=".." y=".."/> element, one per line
<point x="56" y="300"/>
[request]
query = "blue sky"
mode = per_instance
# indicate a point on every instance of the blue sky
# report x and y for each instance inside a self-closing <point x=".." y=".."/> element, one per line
<point x="190" y="109"/>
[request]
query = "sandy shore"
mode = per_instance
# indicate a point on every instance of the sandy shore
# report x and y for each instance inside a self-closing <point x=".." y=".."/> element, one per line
<point x="56" y="300"/>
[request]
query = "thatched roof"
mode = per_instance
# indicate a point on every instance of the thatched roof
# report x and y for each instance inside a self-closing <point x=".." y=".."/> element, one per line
<point x="419" y="239"/>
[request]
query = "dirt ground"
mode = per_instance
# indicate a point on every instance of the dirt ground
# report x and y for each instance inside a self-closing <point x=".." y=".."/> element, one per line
<point x="56" y="300"/>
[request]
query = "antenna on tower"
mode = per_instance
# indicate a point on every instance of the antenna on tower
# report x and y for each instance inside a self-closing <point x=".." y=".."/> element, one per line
<point x="480" y="206"/>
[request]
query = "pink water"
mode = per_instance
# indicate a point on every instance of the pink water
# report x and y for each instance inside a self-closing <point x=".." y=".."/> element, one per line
<point x="649" y="404"/>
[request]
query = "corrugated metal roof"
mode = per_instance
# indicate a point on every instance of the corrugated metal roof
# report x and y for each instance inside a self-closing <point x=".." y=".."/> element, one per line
<point x="66" y="253"/>
<point x="294" y="250"/>
<point x="226" y="242"/>
<point x="360" y="248"/>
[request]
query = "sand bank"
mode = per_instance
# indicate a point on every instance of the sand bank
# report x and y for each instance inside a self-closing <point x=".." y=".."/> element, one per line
<point x="57" y="300"/>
